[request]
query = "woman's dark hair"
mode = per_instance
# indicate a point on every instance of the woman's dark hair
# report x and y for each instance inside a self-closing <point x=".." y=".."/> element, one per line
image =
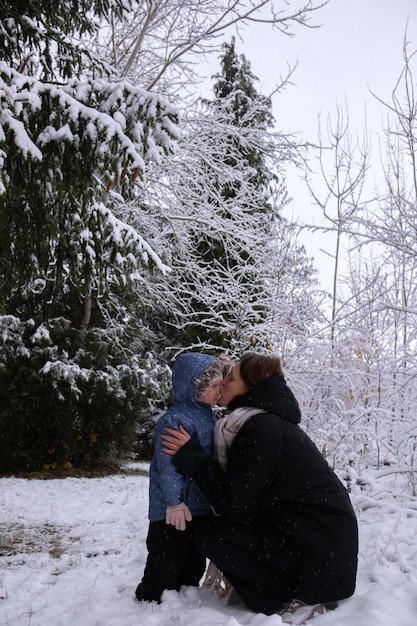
<point x="254" y="368"/>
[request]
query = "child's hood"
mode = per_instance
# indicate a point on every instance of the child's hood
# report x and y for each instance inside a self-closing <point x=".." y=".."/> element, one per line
<point x="186" y="369"/>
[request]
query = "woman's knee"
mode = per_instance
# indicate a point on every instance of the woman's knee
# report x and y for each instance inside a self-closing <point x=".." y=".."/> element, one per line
<point x="207" y="531"/>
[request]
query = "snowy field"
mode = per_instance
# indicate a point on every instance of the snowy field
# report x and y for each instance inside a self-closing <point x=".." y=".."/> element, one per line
<point x="73" y="551"/>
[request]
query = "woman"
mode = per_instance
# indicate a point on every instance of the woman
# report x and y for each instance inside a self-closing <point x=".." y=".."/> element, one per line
<point x="285" y="531"/>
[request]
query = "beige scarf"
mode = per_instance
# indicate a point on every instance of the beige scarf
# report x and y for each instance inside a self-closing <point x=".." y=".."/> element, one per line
<point x="226" y="429"/>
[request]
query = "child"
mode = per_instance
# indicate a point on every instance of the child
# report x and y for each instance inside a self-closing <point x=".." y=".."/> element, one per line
<point x="174" y="500"/>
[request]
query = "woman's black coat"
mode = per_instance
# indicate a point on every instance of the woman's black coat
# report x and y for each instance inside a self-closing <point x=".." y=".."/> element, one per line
<point x="277" y="476"/>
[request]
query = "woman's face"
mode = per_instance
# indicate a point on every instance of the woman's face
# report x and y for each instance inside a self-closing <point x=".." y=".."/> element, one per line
<point x="233" y="385"/>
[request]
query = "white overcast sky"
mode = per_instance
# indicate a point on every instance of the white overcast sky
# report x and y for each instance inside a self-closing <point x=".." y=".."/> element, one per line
<point x="357" y="49"/>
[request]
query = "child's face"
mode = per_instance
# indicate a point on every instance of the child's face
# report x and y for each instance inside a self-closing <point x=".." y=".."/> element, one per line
<point x="211" y="394"/>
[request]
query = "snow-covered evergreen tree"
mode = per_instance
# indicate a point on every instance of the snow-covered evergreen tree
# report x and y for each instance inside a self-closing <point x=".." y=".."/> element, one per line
<point x="246" y="195"/>
<point x="231" y="278"/>
<point x="160" y="47"/>
<point x="95" y="207"/>
<point x="160" y="44"/>
<point x="238" y="100"/>
<point x="64" y="146"/>
<point x="71" y="142"/>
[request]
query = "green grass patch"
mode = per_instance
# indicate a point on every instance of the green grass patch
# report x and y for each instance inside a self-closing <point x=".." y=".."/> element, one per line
<point x="21" y="539"/>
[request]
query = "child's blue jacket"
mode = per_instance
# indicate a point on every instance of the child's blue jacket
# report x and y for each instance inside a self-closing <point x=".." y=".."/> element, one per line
<point x="167" y="486"/>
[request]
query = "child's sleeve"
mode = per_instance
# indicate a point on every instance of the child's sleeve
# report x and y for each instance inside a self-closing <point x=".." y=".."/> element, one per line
<point x="172" y="481"/>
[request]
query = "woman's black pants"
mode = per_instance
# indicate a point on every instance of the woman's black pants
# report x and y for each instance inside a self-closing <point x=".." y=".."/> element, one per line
<point x="262" y="565"/>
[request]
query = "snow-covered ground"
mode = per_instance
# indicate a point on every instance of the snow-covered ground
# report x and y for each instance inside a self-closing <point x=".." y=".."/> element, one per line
<point x="73" y="551"/>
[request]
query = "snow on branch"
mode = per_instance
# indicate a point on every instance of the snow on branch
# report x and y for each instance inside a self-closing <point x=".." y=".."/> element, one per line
<point x="114" y="124"/>
<point x="156" y="39"/>
<point x="124" y="235"/>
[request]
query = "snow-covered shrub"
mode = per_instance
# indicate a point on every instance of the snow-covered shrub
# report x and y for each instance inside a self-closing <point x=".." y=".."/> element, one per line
<point x="62" y="404"/>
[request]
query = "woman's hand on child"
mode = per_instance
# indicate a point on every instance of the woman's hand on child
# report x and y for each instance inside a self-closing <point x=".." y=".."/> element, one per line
<point x="174" y="440"/>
